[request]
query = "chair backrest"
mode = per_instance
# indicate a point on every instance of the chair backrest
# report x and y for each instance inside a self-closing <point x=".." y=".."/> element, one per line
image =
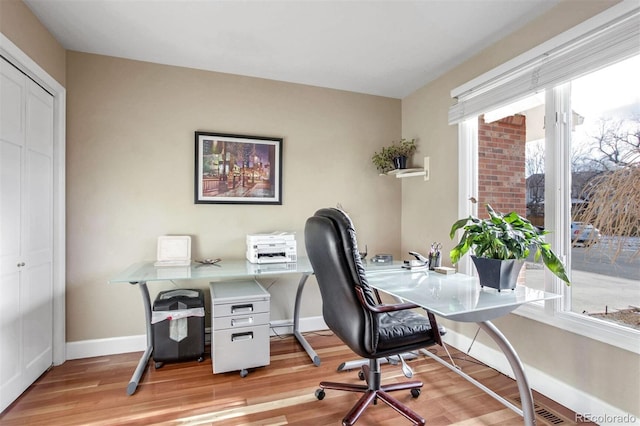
<point x="330" y="240"/>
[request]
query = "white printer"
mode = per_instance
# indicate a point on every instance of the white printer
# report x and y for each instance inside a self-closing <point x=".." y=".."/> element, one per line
<point x="276" y="247"/>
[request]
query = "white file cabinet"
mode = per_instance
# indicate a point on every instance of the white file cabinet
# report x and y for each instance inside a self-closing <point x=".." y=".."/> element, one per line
<point x="239" y="326"/>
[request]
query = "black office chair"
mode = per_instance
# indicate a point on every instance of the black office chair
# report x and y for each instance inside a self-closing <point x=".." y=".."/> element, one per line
<point x="354" y="312"/>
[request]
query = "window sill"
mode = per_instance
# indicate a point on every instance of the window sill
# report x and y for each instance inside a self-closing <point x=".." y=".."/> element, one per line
<point x="612" y="334"/>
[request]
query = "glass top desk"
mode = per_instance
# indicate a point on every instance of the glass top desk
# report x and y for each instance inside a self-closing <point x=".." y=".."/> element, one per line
<point x="143" y="272"/>
<point x="459" y="297"/>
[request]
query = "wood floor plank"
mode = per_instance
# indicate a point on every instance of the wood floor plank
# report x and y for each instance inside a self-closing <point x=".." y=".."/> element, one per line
<point x="93" y="392"/>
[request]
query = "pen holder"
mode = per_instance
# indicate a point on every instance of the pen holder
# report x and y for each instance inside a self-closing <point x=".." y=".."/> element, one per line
<point x="435" y="260"/>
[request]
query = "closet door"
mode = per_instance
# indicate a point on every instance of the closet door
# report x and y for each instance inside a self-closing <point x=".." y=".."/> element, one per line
<point x="26" y="230"/>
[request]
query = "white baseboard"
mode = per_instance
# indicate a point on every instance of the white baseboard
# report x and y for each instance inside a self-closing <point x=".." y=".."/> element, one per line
<point x="583" y="404"/>
<point x="120" y="345"/>
<point x="306" y="325"/>
<point x="109" y="346"/>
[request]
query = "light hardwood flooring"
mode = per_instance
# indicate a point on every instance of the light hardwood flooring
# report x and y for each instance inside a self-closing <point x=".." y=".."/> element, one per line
<point x="92" y="391"/>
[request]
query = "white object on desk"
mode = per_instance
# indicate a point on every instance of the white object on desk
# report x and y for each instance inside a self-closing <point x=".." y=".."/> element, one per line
<point x="276" y="247"/>
<point x="445" y="270"/>
<point x="174" y="250"/>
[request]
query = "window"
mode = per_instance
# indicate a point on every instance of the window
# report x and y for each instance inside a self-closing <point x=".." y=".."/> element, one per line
<point x="544" y="151"/>
<point x="604" y="140"/>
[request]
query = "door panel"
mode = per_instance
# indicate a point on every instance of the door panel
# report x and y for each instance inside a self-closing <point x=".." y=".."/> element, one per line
<point x="38" y="198"/>
<point x="37" y="328"/>
<point x="10" y="187"/>
<point x="39" y="119"/>
<point x="12" y="139"/>
<point x="10" y="337"/>
<point x="37" y="302"/>
<point x="26" y="225"/>
<point x="12" y="91"/>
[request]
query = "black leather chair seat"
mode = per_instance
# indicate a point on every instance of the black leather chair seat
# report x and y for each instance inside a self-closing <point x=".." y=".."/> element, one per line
<point x="403" y="328"/>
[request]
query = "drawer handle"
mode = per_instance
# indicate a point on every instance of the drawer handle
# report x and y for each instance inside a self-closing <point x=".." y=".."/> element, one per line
<point x="241" y="321"/>
<point x="237" y="309"/>
<point x="242" y="336"/>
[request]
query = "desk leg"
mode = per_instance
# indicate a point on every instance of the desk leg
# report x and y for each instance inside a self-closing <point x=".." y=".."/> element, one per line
<point x="142" y="364"/>
<point x="296" y="323"/>
<point x="523" y="384"/>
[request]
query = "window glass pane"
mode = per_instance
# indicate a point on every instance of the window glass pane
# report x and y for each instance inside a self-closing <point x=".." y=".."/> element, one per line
<point x="511" y="167"/>
<point x="605" y="260"/>
<point x="535" y="179"/>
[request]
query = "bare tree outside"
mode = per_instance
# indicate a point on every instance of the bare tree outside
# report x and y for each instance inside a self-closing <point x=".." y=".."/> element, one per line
<point x="613" y="196"/>
<point x="617" y="143"/>
<point x="534" y="173"/>
<point x="605" y="172"/>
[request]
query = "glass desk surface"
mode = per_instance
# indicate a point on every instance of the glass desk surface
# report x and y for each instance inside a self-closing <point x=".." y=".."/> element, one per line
<point x="146" y="271"/>
<point x="142" y="272"/>
<point x="456" y="296"/>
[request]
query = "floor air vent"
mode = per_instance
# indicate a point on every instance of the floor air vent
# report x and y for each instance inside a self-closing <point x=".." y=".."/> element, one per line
<point x="545" y="413"/>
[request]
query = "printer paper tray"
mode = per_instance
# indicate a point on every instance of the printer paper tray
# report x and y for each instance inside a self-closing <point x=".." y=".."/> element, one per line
<point x="269" y="259"/>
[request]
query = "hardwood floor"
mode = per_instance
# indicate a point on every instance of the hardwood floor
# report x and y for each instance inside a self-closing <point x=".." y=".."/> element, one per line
<point x="92" y="391"/>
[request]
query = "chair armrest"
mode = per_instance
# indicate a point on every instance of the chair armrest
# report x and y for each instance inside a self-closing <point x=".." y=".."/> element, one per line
<point x="394" y="307"/>
<point x="399" y="307"/>
<point x="384" y="307"/>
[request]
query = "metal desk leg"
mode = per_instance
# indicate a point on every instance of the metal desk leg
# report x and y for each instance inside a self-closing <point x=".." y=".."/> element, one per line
<point x="523" y="385"/>
<point x="142" y="364"/>
<point x="296" y="323"/>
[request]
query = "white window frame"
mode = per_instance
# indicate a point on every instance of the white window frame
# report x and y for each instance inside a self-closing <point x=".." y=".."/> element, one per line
<point x="557" y="183"/>
<point x="467" y="182"/>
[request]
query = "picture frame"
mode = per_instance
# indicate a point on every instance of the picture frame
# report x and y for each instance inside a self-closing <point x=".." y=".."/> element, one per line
<point x="237" y="169"/>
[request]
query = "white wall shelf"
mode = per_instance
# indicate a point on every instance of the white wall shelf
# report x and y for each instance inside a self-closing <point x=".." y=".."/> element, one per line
<point x="418" y="171"/>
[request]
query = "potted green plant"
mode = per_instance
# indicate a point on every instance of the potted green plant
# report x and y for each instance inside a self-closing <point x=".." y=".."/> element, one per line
<point x="500" y="246"/>
<point x="394" y="156"/>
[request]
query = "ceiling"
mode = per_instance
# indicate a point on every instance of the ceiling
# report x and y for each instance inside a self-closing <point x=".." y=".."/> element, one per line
<point x="387" y="48"/>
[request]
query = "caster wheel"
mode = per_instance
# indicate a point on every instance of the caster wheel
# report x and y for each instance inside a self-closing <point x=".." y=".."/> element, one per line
<point x="361" y="375"/>
<point x="243" y="373"/>
<point x="415" y="393"/>
<point x="320" y="394"/>
<point x="158" y="365"/>
<point x="200" y="359"/>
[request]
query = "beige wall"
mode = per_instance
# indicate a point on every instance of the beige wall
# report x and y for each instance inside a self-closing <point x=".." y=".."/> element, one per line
<point x="130" y="177"/>
<point x="429" y="209"/>
<point x="20" y="25"/>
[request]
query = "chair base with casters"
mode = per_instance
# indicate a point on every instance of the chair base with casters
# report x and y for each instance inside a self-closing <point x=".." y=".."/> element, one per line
<point x="373" y="391"/>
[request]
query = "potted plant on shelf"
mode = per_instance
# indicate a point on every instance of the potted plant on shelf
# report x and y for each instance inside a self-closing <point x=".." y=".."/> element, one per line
<point x="394" y="156"/>
<point x="500" y="246"/>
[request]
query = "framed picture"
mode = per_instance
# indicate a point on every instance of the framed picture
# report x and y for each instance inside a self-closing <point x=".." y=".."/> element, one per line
<point x="236" y="169"/>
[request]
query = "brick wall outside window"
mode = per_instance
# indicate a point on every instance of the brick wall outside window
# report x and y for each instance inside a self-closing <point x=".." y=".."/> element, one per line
<point x="501" y="165"/>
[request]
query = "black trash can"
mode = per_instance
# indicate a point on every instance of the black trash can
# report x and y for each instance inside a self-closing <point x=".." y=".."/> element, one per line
<point x="178" y="326"/>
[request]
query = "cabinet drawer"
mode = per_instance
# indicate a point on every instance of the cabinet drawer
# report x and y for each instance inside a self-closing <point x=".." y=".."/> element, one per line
<point x="240" y="308"/>
<point x="239" y="349"/>
<point x="236" y="321"/>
